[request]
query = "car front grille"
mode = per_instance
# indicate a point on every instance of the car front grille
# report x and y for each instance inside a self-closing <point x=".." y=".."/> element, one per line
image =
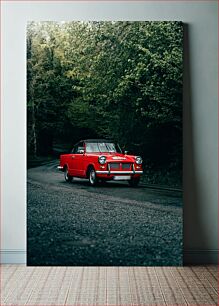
<point x="120" y="166"/>
<point x="126" y="166"/>
<point x="114" y="166"/>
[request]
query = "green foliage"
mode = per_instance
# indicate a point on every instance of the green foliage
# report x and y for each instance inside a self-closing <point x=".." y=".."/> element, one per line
<point x="121" y="80"/>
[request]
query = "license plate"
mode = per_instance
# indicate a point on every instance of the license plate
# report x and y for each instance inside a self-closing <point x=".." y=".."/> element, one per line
<point x="122" y="177"/>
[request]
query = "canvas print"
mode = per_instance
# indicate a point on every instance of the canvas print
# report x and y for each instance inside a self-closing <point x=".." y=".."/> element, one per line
<point x="104" y="143"/>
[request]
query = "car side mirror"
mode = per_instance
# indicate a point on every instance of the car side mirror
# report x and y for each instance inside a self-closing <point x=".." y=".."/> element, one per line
<point x="125" y="152"/>
<point x="81" y="151"/>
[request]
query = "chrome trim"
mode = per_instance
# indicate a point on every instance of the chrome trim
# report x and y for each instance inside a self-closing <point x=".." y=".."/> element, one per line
<point x="108" y="166"/>
<point x="118" y="172"/>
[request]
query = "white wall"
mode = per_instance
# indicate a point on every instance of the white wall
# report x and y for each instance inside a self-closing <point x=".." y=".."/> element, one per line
<point x="200" y="109"/>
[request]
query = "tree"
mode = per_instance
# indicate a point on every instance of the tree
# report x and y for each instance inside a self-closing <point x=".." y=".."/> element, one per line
<point x="120" y="80"/>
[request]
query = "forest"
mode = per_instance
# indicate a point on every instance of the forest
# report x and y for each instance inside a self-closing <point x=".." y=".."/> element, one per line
<point x="117" y="80"/>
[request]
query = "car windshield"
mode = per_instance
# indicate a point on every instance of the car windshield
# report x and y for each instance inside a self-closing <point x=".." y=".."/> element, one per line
<point x="102" y="147"/>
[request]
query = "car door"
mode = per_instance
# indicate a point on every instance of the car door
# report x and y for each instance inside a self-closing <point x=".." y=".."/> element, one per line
<point x="78" y="158"/>
<point x="71" y="161"/>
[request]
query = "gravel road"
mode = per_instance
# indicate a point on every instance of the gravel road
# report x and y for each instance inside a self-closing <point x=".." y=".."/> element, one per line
<point x="109" y="225"/>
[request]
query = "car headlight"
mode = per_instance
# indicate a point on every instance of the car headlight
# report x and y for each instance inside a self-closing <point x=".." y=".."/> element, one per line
<point x="102" y="160"/>
<point x="138" y="160"/>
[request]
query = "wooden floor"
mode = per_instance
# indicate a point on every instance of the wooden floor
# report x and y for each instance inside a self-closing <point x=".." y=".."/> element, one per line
<point x="21" y="285"/>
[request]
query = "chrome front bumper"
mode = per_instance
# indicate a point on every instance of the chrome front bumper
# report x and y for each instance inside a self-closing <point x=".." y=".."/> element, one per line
<point x="109" y="171"/>
<point x="118" y="172"/>
<point x="60" y="168"/>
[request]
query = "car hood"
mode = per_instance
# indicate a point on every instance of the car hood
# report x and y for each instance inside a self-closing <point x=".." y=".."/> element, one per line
<point x="116" y="157"/>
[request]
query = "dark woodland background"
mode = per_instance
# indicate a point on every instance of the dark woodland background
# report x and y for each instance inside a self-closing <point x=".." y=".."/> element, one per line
<point x="117" y="80"/>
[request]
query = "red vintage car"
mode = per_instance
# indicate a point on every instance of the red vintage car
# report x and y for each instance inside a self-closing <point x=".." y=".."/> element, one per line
<point x="100" y="160"/>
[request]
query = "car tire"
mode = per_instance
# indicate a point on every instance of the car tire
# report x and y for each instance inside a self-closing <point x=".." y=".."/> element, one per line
<point x="92" y="177"/>
<point x="134" y="182"/>
<point x="67" y="177"/>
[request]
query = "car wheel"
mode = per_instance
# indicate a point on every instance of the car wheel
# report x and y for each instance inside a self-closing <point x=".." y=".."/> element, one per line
<point x="134" y="182"/>
<point x="67" y="177"/>
<point x="92" y="177"/>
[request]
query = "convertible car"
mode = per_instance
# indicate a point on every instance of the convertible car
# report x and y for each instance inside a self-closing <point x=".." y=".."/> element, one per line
<point x="100" y="160"/>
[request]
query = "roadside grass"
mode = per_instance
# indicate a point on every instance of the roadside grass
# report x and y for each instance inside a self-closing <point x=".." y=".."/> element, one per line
<point x="36" y="161"/>
<point x="164" y="177"/>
